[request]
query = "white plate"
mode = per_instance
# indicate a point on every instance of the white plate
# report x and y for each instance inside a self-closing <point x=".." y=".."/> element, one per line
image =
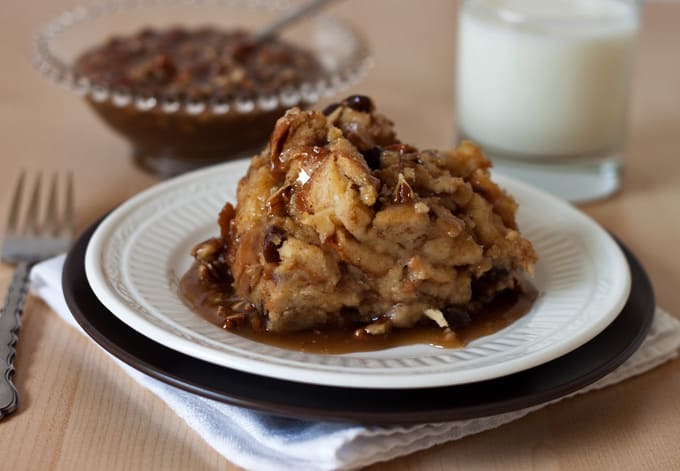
<point x="140" y="251"/>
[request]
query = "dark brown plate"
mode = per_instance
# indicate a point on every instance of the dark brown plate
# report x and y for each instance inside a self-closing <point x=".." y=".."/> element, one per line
<point x="543" y="383"/>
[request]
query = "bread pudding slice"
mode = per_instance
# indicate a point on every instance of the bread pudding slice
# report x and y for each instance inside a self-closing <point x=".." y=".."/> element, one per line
<point x="337" y="223"/>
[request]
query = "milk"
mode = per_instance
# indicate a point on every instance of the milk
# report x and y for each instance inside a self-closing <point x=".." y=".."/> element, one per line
<point x="545" y="79"/>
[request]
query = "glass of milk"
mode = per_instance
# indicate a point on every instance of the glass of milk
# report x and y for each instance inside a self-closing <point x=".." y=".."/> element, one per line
<point x="543" y="87"/>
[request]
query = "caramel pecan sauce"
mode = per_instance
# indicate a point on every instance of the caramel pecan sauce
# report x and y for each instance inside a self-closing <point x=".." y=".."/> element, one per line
<point x="197" y="64"/>
<point x="216" y="301"/>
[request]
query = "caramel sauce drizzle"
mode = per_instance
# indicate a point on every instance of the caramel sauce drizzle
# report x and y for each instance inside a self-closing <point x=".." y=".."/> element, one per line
<point x="505" y="309"/>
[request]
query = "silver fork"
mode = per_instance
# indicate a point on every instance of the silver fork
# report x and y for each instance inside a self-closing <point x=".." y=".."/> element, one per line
<point x="36" y="241"/>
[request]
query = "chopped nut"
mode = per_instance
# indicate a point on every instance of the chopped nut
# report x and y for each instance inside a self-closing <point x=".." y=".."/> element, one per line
<point x="233" y="321"/>
<point x="256" y="322"/>
<point x="204" y="273"/>
<point x="208" y="274"/>
<point x="449" y="335"/>
<point x="361" y="334"/>
<point x="421" y="208"/>
<point x="242" y="306"/>
<point x="208" y="251"/>
<point x="237" y="75"/>
<point x="276" y="204"/>
<point x="403" y="193"/>
<point x="381" y="327"/>
<point x="215" y="299"/>
<point x="437" y="316"/>
<point x="214" y="60"/>
<point x="220" y="81"/>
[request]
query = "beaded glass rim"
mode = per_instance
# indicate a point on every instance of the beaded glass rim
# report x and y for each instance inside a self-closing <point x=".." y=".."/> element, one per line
<point x="49" y="64"/>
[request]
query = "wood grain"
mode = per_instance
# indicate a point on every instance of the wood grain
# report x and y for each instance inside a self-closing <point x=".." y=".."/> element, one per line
<point x="79" y="411"/>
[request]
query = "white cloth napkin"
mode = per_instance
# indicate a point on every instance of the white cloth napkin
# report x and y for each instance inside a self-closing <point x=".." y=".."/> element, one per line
<point x="259" y="441"/>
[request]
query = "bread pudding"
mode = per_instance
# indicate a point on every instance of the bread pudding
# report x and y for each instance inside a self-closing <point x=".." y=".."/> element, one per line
<point x="338" y="224"/>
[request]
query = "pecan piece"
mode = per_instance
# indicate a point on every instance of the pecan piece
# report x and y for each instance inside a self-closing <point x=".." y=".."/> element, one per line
<point x="379" y="327"/>
<point x="403" y="193"/>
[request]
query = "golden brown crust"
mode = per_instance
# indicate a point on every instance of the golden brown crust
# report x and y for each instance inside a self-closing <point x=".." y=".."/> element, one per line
<point x="337" y="220"/>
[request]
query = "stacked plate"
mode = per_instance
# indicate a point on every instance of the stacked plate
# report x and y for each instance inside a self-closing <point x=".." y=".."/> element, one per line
<point x="121" y="279"/>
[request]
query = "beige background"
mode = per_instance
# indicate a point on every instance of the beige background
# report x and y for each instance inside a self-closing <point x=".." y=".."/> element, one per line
<point x="78" y="410"/>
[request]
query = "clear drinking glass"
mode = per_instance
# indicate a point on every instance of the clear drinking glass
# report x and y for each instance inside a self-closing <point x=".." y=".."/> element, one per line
<point x="543" y="87"/>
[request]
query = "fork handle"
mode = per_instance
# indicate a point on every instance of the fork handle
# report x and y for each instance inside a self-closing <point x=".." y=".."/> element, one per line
<point x="9" y="328"/>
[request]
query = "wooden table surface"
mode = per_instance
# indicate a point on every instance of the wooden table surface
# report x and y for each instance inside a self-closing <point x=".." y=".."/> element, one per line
<point x="79" y="411"/>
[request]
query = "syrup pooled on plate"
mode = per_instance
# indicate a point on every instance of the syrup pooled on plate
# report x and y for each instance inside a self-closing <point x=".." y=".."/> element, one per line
<point x="218" y="306"/>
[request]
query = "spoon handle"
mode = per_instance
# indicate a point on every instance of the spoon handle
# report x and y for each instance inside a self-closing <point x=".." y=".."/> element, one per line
<point x="289" y="19"/>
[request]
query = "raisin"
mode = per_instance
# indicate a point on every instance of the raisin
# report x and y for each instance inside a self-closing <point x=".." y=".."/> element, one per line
<point x="457" y="317"/>
<point x="330" y="108"/>
<point x="273" y="239"/>
<point x="489" y="283"/>
<point x="359" y="103"/>
<point x="372" y="157"/>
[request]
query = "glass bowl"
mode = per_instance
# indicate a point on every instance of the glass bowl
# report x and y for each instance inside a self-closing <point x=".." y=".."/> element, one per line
<point x="170" y="136"/>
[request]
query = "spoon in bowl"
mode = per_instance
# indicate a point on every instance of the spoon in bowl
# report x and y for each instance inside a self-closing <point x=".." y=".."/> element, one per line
<point x="288" y="19"/>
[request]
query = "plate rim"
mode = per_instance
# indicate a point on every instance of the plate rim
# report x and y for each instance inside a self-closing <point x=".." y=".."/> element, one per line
<point x="440" y="404"/>
<point x="99" y="283"/>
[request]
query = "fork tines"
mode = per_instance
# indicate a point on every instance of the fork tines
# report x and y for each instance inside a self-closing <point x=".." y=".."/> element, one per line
<point x="52" y="223"/>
